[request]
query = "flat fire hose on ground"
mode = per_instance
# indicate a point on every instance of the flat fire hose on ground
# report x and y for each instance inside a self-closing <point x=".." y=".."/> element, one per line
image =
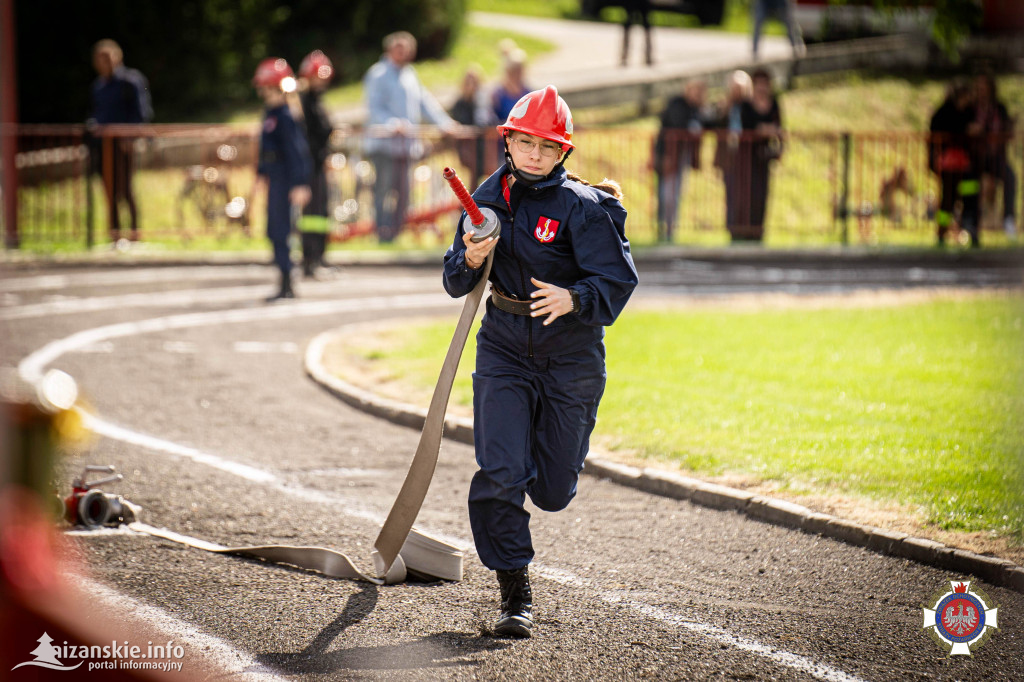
<point x="400" y="549"/>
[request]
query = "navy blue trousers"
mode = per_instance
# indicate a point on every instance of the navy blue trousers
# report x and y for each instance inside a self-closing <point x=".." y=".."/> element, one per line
<point x="279" y="223"/>
<point x="532" y="425"/>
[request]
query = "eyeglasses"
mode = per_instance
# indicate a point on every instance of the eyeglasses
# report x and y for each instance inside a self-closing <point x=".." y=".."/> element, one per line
<point x="548" y="149"/>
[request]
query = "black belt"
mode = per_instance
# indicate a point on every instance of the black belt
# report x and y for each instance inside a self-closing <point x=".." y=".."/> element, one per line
<point x="509" y="305"/>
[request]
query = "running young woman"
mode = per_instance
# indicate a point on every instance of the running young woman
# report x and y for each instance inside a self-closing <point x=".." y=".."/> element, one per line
<point x="561" y="272"/>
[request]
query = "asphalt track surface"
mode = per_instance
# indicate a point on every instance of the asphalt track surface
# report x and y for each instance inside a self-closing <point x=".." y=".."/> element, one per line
<point x="198" y="390"/>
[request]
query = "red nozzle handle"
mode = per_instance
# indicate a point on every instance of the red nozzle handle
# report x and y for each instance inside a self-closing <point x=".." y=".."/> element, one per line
<point x="472" y="210"/>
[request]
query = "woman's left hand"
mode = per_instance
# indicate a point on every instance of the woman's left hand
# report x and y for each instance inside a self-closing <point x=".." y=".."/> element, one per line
<point x="551" y="301"/>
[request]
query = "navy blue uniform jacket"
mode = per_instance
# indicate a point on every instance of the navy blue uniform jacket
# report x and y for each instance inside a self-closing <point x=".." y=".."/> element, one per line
<point x="564" y="233"/>
<point x="284" y="154"/>
<point x="284" y="160"/>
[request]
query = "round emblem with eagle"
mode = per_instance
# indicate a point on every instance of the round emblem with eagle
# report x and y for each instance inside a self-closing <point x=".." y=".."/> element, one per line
<point x="961" y="619"/>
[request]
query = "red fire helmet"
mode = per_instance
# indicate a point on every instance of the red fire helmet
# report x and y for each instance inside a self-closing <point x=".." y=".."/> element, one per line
<point x="316" y="64"/>
<point x="544" y="114"/>
<point x="271" y="72"/>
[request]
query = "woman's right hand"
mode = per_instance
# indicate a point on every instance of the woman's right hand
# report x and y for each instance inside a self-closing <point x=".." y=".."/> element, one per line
<point x="476" y="252"/>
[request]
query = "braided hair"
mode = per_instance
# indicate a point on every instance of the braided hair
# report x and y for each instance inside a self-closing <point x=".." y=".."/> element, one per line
<point x="607" y="185"/>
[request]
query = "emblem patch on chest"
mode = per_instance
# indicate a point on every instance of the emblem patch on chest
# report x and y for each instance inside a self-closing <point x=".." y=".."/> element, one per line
<point x="546" y="229"/>
<point x="269" y="124"/>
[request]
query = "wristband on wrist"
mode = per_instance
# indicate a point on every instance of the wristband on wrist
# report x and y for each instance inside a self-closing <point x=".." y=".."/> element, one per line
<point x="575" y="295"/>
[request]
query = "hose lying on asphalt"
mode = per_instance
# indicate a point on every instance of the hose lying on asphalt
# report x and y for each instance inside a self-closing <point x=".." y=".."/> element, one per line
<point x="400" y="550"/>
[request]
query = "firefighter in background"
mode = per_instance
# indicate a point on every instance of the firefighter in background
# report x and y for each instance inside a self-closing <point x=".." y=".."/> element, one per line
<point x="562" y="271"/>
<point x="284" y="163"/>
<point x="315" y="74"/>
<point x="950" y="157"/>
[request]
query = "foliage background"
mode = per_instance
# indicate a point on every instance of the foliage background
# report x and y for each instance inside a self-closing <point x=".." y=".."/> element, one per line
<point x="199" y="55"/>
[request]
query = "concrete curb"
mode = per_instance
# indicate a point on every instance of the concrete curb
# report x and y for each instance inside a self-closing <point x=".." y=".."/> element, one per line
<point x="1011" y="256"/>
<point x="995" y="571"/>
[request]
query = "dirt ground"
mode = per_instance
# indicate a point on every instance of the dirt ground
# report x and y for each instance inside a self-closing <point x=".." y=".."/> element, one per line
<point x="343" y="358"/>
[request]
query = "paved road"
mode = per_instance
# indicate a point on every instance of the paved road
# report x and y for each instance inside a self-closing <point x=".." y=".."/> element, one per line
<point x="588" y="53"/>
<point x="190" y="376"/>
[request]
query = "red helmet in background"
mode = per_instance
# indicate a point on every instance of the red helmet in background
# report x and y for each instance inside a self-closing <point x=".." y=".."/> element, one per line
<point x="544" y="114"/>
<point x="272" y="72"/>
<point x="316" y="64"/>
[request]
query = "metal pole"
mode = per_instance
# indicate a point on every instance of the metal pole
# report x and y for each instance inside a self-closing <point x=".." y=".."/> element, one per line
<point x="844" y="200"/>
<point x="9" y="124"/>
<point x="90" y="219"/>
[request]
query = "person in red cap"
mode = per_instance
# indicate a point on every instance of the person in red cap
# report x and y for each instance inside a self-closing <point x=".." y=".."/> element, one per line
<point x="284" y="163"/>
<point x="315" y="74"/>
<point x="561" y="272"/>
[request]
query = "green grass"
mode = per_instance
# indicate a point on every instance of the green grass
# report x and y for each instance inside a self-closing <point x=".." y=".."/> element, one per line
<point x="918" y="404"/>
<point x="552" y="9"/>
<point x="874" y="101"/>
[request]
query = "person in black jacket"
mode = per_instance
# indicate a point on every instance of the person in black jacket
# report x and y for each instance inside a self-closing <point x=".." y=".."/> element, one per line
<point x="473" y="111"/>
<point x="760" y="145"/>
<point x="677" y="150"/>
<point x="118" y="95"/>
<point x="950" y="157"/>
<point x="315" y="73"/>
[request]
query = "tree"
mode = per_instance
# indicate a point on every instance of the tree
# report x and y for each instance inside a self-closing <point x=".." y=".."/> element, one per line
<point x="953" y="22"/>
<point x="199" y="55"/>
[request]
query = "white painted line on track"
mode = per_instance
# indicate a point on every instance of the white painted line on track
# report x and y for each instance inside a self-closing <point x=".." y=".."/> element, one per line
<point x="114" y="432"/>
<point x="816" y="670"/>
<point x="132" y="276"/>
<point x="32" y="369"/>
<point x="255" y="294"/>
<point x="103" y="347"/>
<point x="182" y="347"/>
<point x="806" y="665"/>
<point x="265" y="347"/>
<point x="237" y="664"/>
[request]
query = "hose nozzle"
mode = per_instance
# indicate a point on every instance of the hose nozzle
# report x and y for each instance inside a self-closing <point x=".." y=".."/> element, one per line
<point x="485" y="221"/>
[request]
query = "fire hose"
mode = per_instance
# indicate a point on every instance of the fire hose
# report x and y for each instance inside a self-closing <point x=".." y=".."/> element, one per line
<point x="399" y="549"/>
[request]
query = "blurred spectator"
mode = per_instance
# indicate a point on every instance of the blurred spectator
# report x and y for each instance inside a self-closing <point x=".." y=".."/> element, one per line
<point x="472" y="109"/>
<point x="512" y="86"/>
<point x="949" y="157"/>
<point x="315" y="74"/>
<point x="397" y="103"/>
<point x="995" y="125"/>
<point x="760" y="145"/>
<point x="118" y="95"/>
<point x="728" y="120"/>
<point x="677" y="150"/>
<point x="783" y="11"/>
<point x="888" y="196"/>
<point x="284" y="163"/>
<point x="637" y="11"/>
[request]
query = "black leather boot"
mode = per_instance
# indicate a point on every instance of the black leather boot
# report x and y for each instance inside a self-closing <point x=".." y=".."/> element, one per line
<point x="516" y="618"/>
<point x="286" y="288"/>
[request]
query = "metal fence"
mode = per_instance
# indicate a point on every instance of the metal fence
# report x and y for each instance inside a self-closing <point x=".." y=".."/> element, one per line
<point x="193" y="183"/>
